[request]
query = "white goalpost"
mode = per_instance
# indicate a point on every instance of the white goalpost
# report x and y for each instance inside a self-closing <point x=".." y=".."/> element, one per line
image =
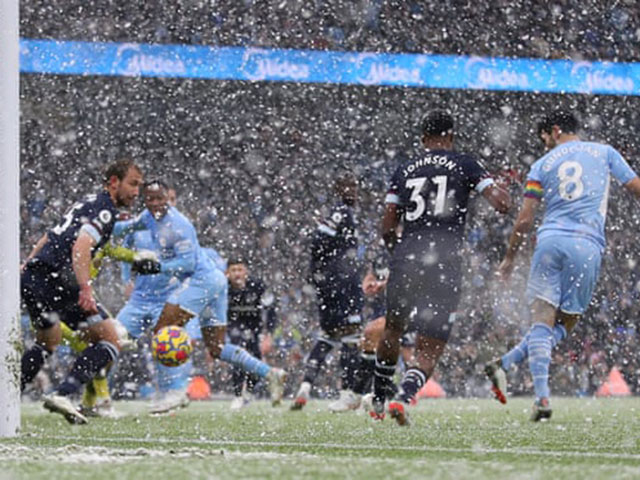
<point x="9" y="221"/>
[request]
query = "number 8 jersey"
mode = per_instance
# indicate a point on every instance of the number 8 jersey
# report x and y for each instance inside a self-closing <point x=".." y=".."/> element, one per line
<point x="433" y="192"/>
<point x="573" y="180"/>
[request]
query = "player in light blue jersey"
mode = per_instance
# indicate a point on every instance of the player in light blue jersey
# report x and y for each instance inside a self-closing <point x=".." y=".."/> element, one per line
<point x="202" y="287"/>
<point x="572" y="180"/>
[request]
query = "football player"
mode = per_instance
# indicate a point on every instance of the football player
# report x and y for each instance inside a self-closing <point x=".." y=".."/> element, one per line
<point x="336" y="276"/>
<point x="251" y="312"/>
<point x="429" y="194"/>
<point x="56" y="286"/>
<point x="573" y="180"/>
<point x="202" y="289"/>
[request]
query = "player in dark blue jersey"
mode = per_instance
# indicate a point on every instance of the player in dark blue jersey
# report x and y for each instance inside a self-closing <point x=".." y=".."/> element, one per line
<point x="336" y="276"/>
<point x="56" y="286"/>
<point x="251" y="312"/>
<point x="429" y="194"/>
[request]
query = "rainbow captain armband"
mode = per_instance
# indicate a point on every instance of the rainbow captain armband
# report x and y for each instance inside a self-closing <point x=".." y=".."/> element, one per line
<point x="533" y="189"/>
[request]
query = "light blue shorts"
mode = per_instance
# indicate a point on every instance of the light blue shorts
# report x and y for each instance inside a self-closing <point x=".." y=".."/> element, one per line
<point x="564" y="272"/>
<point x="138" y="317"/>
<point x="206" y="297"/>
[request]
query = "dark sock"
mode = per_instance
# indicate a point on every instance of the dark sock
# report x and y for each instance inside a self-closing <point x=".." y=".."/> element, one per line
<point x="238" y="376"/>
<point x="365" y="373"/>
<point x="412" y="382"/>
<point x="383" y="386"/>
<point x="32" y="361"/>
<point x="316" y="359"/>
<point x="90" y="361"/>
<point x="349" y="365"/>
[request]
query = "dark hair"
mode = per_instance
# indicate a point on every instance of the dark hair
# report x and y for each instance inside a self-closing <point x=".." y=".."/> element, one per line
<point x="237" y="260"/>
<point x="563" y="119"/>
<point x="119" y="169"/>
<point x="344" y="178"/>
<point x="157" y="182"/>
<point x="437" y="124"/>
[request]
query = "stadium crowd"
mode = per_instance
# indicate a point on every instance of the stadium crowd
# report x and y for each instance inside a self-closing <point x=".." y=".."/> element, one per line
<point x="254" y="162"/>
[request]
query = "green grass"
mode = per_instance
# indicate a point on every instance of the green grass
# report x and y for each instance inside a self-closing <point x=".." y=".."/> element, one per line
<point x="448" y="439"/>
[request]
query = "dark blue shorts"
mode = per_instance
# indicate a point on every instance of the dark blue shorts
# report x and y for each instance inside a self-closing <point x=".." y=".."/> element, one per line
<point x="339" y="304"/>
<point x="423" y="291"/>
<point x="50" y="296"/>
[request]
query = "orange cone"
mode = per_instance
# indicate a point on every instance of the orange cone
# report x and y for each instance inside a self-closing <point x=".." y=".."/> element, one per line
<point x="431" y="389"/>
<point x="199" y="389"/>
<point x="615" y="386"/>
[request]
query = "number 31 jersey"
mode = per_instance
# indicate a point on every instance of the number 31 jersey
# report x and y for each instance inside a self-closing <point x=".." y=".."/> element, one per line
<point x="432" y="192"/>
<point x="96" y="215"/>
<point x="573" y="180"/>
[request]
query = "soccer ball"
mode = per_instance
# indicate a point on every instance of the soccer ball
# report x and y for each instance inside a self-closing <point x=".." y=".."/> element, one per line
<point x="171" y="346"/>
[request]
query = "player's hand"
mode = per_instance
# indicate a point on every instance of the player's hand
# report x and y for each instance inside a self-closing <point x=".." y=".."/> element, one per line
<point x="86" y="300"/>
<point x="505" y="269"/>
<point x="146" y="266"/>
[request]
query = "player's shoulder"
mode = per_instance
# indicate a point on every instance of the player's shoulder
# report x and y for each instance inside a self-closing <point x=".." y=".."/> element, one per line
<point x="177" y="218"/>
<point x="100" y="205"/>
<point x="338" y="213"/>
<point x="256" y="284"/>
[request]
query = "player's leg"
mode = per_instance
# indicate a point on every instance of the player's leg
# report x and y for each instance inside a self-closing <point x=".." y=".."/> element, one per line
<point x="173" y="314"/>
<point x="213" y="321"/>
<point x="544" y="285"/>
<point x="329" y="311"/>
<point x="34" y="288"/>
<point x="350" y="358"/>
<point x="238" y="375"/>
<point x="579" y="260"/>
<point x="101" y="334"/>
<point x="370" y="338"/>
<point x="312" y="364"/>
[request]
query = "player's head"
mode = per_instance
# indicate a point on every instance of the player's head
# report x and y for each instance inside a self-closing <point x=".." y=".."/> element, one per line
<point x="156" y="198"/>
<point x="346" y="187"/>
<point x="123" y="179"/>
<point x="237" y="272"/>
<point x="437" y="129"/>
<point x="552" y="126"/>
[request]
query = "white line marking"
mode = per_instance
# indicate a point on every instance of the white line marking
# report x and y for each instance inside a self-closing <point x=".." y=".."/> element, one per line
<point x="338" y="446"/>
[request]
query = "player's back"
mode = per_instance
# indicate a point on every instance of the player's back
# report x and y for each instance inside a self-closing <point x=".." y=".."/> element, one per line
<point x="433" y="191"/>
<point x="573" y="180"/>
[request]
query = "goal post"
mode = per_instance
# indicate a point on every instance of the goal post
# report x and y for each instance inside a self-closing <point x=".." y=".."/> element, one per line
<point x="9" y="221"/>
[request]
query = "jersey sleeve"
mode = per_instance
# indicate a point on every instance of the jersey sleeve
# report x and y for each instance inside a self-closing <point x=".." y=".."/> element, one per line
<point x="99" y="222"/>
<point x="533" y="184"/>
<point x="620" y="169"/>
<point x="333" y="224"/>
<point x="395" y="186"/>
<point x="127" y="227"/>
<point x="478" y="176"/>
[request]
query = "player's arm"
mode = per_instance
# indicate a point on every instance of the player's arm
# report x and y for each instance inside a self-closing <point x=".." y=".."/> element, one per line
<point x="184" y="259"/>
<point x="497" y="197"/>
<point x="36" y="249"/>
<point x="81" y="261"/>
<point x="390" y="222"/>
<point x="633" y="186"/>
<point x="524" y="224"/>
<point x="125" y="227"/>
